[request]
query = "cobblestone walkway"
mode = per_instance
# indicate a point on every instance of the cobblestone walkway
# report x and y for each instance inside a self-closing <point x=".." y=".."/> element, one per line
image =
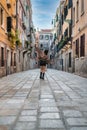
<point x="57" y="103"/>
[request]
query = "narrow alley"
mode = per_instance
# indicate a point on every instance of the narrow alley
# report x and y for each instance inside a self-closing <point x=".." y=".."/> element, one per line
<point x="57" y="103"/>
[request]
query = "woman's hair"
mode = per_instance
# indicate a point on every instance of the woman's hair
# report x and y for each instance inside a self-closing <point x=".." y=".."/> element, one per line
<point x="46" y="52"/>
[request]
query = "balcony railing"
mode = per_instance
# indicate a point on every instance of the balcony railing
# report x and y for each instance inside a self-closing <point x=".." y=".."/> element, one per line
<point x="62" y="43"/>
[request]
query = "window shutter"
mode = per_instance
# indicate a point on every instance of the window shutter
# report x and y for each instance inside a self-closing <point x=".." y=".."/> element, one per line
<point x="77" y="47"/>
<point x="82" y="45"/>
<point x="69" y="3"/>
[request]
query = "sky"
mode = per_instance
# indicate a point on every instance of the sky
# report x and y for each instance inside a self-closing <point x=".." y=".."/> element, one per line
<point x="43" y="13"/>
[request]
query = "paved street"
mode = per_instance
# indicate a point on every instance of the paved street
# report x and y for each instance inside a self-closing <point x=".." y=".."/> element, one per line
<point x="57" y="103"/>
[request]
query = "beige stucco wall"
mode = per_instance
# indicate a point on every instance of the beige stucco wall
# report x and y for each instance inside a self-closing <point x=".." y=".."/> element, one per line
<point x="79" y="29"/>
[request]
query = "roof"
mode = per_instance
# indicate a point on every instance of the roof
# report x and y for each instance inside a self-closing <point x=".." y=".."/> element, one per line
<point x="46" y="30"/>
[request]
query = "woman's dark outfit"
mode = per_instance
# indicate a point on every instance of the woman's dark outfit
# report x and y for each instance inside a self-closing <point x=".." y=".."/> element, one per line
<point x="43" y="62"/>
<point x="43" y="58"/>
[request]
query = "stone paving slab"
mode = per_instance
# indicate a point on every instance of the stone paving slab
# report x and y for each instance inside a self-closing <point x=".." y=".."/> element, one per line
<point x="77" y="121"/>
<point x="54" y="129"/>
<point x="29" y="113"/>
<point x="25" y="126"/>
<point x="57" y="103"/>
<point x="52" y="124"/>
<point x="49" y="116"/>
<point x="27" y="118"/>
<point x="7" y="120"/>
<point x="49" y="109"/>
<point x="72" y="113"/>
<point x="79" y="128"/>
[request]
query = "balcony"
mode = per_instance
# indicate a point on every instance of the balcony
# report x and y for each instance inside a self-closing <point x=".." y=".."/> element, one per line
<point x="23" y="25"/>
<point x="62" y="43"/>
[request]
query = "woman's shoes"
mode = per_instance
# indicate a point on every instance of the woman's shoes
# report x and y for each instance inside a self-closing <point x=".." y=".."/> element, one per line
<point x="41" y="75"/>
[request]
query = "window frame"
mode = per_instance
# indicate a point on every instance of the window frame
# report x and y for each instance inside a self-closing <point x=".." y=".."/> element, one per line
<point x="1" y="16"/>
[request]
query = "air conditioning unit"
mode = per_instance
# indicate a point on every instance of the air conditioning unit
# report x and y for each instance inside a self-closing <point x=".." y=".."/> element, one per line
<point x="8" y="3"/>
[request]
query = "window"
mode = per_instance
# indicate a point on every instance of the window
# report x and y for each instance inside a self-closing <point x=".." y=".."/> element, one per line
<point x="11" y="58"/>
<point x="69" y="3"/>
<point x="77" y="48"/>
<point x="56" y="17"/>
<point x="65" y="11"/>
<point x="62" y="19"/>
<point x="41" y="37"/>
<point x="77" y="11"/>
<point x="51" y="37"/>
<point x="70" y="59"/>
<point x="14" y="59"/>
<point x="82" y="6"/>
<point x="82" y="45"/>
<point x="66" y="33"/>
<point x="2" y="56"/>
<point x="8" y="3"/>
<point x="46" y="37"/>
<point x="73" y="16"/>
<point x="19" y="55"/>
<point x="1" y="16"/>
<point x="9" y="24"/>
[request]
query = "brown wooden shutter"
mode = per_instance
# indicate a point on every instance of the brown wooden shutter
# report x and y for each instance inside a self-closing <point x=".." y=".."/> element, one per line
<point x="82" y="45"/>
<point x="77" y="47"/>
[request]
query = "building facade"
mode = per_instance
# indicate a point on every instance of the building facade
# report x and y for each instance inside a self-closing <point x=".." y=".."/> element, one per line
<point x="45" y="38"/>
<point x="15" y="36"/>
<point x="64" y="47"/>
<point x="70" y="39"/>
<point x="79" y="43"/>
<point x="7" y="42"/>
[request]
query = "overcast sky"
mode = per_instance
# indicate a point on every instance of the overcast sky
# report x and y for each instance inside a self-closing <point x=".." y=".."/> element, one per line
<point x="43" y="12"/>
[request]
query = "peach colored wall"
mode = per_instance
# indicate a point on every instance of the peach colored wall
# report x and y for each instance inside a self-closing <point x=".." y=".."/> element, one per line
<point x="79" y="29"/>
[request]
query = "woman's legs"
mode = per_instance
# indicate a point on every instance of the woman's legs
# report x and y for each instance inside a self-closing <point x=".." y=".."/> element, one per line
<point x="43" y="71"/>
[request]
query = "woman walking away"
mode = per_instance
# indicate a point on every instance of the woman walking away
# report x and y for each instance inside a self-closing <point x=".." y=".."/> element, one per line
<point x="43" y="59"/>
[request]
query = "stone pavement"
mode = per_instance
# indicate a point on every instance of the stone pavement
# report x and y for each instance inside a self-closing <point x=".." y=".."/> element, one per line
<point x="57" y="103"/>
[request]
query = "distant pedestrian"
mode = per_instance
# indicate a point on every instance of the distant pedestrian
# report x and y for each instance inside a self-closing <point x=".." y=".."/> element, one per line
<point x="43" y="60"/>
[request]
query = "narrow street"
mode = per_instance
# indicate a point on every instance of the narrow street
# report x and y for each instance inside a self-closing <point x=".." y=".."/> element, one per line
<point x="57" y="103"/>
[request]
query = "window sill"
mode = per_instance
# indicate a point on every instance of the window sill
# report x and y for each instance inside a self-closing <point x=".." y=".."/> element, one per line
<point x="77" y="58"/>
<point x="82" y="13"/>
<point x="2" y="67"/>
<point x="2" y="27"/>
<point x="82" y="57"/>
<point x="77" y="21"/>
<point x="6" y="32"/>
